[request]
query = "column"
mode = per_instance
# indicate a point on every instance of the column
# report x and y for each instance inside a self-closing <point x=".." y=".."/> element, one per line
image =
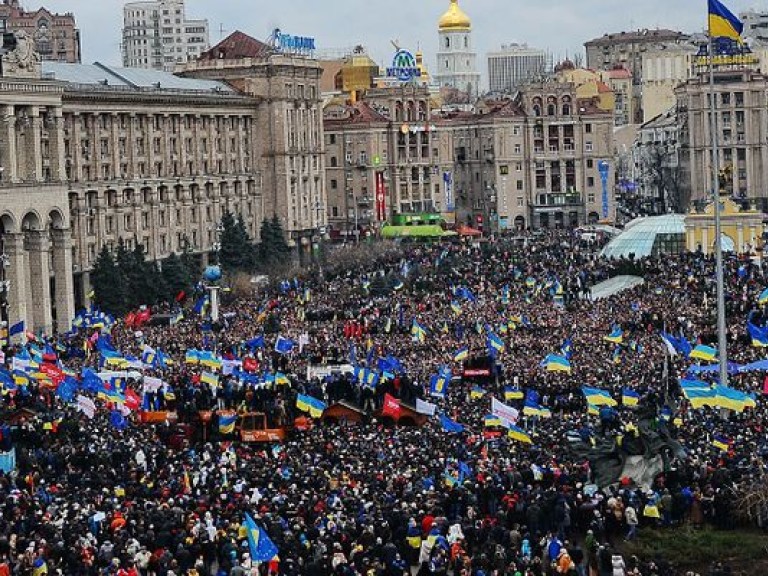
<point x="13" y="245"/>
<point x="38" y="246"/>
<point x="64" y="296"/>
<point x="33" y="145"/>
<point x="8" y="156"/>
<point x="56" y="145"/>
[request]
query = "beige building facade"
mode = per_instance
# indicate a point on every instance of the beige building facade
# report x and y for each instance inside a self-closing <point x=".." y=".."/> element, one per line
<point x="742" y="130"/>
<point x="55" y="36"/>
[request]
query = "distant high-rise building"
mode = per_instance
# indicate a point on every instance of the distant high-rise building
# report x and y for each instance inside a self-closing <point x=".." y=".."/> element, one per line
<point x="158" y="36"/>
<point x="456" y="59"/>
<point x="56" y="36"/>
<point x="515" y="65"/>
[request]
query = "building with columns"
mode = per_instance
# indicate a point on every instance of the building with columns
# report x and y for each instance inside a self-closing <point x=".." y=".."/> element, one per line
<point x="456" y="58"/>
<point x="93" y="155"/>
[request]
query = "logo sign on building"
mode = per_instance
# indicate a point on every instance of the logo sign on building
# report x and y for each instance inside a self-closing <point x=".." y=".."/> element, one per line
<point x="603" y="167"/>
<point x="448" y="181"/>
<point x="293" y="44"/>
<point x="381" y="197"/>
<point x="403" y="67"/>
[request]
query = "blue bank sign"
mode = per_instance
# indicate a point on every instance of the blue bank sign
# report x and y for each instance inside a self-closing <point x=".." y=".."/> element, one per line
<point x="294" y="44"/>
<point x="403" y="67"/>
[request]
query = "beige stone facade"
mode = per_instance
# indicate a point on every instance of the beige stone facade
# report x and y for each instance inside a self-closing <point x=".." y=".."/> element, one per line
<point x="528" y="162"/>
<point x="90" y="156"/>
<point x="742" y="129"/>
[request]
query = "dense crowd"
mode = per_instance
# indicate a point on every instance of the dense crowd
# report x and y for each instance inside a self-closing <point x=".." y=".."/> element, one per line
<point x="104" y="496"/>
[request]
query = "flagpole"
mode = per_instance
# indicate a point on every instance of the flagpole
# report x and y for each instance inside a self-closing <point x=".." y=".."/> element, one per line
<point x="721" y="339"/>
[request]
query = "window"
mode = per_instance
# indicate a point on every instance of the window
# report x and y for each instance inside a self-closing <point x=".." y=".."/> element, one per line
<point x="590" y="182"/>
<point x="332" y="139"/>
<point x="590" y="163"/>
<point x="334" y="162"/>
<point x="519" y="184"/>
<point x="591" y="197"/>
<point x="517" y="148"/>
<point x="519" y="201"/>
<point x="588" y="128"/>
<point x="334" y="184"/>
<point x="588" y="146"/>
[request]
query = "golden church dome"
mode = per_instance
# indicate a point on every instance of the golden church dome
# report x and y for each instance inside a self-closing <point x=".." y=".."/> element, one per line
<point x="455" y="18"/>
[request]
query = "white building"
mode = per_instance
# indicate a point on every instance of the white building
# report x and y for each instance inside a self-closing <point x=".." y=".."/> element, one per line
<point x="456" y="59"/>
<point x="755" y="25"/>
<point x="515" y="65"/>
<point x="158" y="36"/>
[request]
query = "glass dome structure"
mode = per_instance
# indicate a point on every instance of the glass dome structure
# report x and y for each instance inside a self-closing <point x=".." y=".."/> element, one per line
<point x="651" y="236"/>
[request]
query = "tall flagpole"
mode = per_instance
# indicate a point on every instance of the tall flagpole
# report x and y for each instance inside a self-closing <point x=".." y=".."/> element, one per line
<point x="721" y="339"/>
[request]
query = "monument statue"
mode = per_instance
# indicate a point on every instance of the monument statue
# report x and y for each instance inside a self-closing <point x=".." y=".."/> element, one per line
<point x="24" y="60"/>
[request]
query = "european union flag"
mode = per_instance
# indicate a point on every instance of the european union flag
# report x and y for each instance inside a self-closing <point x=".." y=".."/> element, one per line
<point x="450" y="426"/>
<point x="283" y="345"/>
<point x="262" y="549"/>
<point x="118" y="420"/>
<point x="257" y="342"/>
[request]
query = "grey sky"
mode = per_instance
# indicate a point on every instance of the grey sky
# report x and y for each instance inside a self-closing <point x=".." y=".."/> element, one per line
<point x="560" y="26"/>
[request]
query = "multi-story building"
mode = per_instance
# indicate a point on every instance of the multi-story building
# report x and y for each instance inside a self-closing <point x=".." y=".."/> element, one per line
<point x="742" y="130"/>
<point x="663" y="68"/>
<point x="456" y="58"/>
<point x="55" y="36"/>
<point x="157" y="35"/>
<point x="626" y="50"/>
<point x="529" y="162"/>
<point x="286" y="87"/>
<point x="619" y="80"/>
<point x="515" y="65"/>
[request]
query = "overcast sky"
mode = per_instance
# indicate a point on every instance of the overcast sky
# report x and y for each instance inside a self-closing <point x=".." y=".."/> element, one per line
<point x="560" y="26"/>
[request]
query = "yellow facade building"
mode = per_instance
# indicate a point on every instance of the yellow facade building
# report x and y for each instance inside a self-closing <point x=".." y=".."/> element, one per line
<point x="742" y="230"/>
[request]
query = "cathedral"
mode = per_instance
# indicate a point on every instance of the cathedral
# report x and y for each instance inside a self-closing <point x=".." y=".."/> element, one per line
<point x="456" y="58"/>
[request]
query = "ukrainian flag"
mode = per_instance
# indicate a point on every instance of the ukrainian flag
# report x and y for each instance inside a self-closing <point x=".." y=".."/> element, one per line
<point x="227" y="422"/>
<point x="513" y="394"/>
<point x="461" y="354"/>
<point x="210" y="379"/>
<point x="281" y="378"/>
<point x="519" y="434"/>
<point x="616" y="336"/>
<point x="456" y="308"/>
<point x="758" y="334"/>
<point x="309" y="404"/>
<point x="555" y="363"/>
<point x="763" y="298"/>
<point x="476" y="393"/>
<point x="629" y="397"/>
<point x="491" y="420"/>
<point x="418" y="331"/>
<point x="192" y="356"/>
<point x="598" y="397"/>
<point x="706" y="353"/>
<point x="593" y="410"/>
<point x="495" y="342"/>
<point x="721" y="442"/>
<point x="722" y="22"/>
<point x="731" y="399"/>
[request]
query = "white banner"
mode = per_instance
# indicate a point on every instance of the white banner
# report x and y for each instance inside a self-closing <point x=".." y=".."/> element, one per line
<point x="152" y="384"/>
<point x="506" y="413"/>
<point x="426" y="408"/>
<point x="86" y="406"/>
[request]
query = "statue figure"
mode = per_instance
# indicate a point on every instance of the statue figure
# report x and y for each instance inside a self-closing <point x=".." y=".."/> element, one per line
<point x="24" y="60"/>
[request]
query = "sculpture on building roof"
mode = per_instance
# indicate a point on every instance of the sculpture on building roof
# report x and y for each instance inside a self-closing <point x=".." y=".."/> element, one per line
<point x="23" y="61"/>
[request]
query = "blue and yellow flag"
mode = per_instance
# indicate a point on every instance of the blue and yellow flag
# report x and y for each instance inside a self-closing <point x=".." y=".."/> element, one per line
<point x="555" y="363"/>
<point x="597" y="397"/>
<point x="227" y="422"/>
<point x="461" y="354"/>
<point x="513" y="394"/>
<point x="491" y="420"/>
<point x="310" y="404"/>
<point x="519" y="434"/>
<point x="456" y="308"/>
<point x="723" y="23"/>
<point x="418" y="331"/>
<point x="629" y="397"/>
<point x="702" y="352"/>
<point x="721" y="442"/>
<point x="262" y="549"/>
<point x="763" y="298"/>
<point x="476" y="393"/>
<point x="616" y="336"/>
<point x="210" y="378"/>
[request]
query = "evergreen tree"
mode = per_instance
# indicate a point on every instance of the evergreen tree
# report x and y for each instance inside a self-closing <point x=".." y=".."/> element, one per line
<point x="109" y="290"/>
<point x="274" y="252"/>
<point x="236" y="248"/>
<point x="190" y="262"/>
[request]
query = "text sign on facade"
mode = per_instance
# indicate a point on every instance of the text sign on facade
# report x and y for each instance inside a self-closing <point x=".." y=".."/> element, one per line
<point x="403" y="67"/>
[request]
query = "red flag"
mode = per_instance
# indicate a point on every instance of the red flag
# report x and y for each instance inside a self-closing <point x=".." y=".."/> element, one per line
<point x="765" y="386"/>
<point x="132" y="400"/>
<point x="391" y="407"/>
<point x="130" y="319"/>
<point x="181" y="296"/>
<point x="250" y="364"/>
<point x="142" y="317"/>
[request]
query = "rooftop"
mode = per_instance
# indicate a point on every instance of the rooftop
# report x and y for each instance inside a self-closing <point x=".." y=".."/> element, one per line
<point x="645" y="35"/>
<point x="127" y="78"/>
<point x="237" y="46"/>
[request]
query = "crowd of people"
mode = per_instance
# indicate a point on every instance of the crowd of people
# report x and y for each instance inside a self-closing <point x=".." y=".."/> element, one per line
<point x="105" y="493"/>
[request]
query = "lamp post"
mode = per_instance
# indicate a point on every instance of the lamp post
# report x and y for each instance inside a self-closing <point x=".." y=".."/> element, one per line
<point x="212" y="275"/>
